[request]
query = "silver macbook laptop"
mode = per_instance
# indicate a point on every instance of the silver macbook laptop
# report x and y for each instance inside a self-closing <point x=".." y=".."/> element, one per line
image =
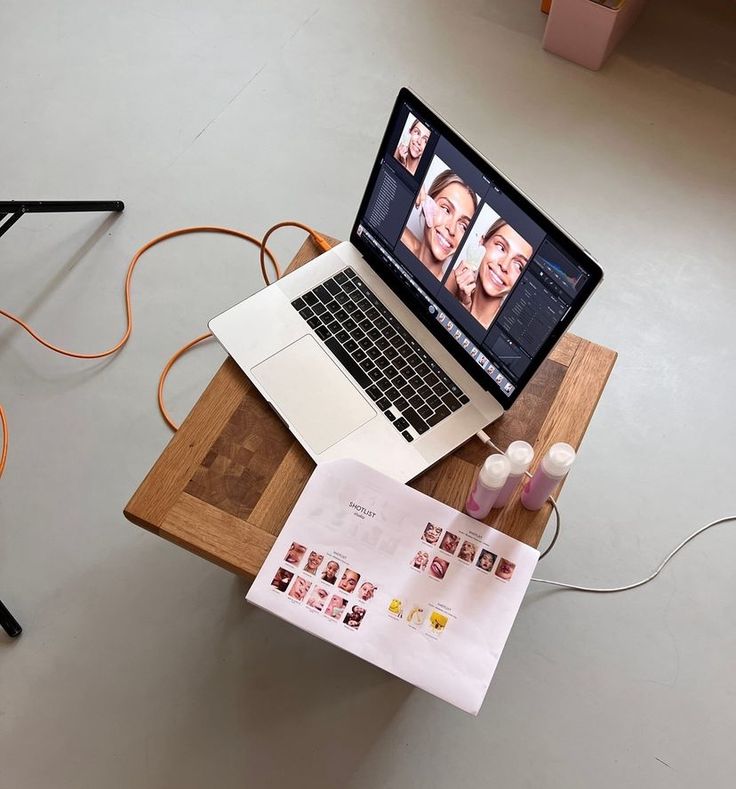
<point x="395" y="347"/>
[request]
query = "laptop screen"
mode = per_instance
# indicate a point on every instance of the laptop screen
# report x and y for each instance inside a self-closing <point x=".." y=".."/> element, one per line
<point x="493" y="277"/>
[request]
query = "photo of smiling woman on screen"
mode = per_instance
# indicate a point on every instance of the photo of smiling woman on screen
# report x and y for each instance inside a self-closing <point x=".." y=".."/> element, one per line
<point x="488" y="266"/>
<point x="412" y="143"/>
<point x="442" y="213"/>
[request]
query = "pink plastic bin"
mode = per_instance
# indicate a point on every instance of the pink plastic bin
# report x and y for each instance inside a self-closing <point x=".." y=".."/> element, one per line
<point x="585" y="32"/>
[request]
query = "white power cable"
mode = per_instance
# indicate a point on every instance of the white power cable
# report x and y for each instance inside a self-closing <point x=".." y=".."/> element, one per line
<point x="485" y="438"/>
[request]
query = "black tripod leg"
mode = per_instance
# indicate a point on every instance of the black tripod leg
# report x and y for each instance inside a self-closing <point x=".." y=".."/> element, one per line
<point x="9" y="625"/>
<point x="8" y="223"/>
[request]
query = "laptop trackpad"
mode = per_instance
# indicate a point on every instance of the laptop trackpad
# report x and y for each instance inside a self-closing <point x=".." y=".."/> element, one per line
<point x="312" y="393"/>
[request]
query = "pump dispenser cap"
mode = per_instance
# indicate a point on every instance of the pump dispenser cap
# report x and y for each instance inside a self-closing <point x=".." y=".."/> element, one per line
<point x="558" y="460"/>
<point x="520" y="455"/>
<point x="495" y="471"/>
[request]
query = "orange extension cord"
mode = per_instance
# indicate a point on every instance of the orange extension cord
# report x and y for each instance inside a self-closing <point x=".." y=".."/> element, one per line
<point x="264" y="252"/>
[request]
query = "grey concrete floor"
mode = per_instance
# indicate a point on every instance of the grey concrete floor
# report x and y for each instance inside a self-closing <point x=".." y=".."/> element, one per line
<point x="141" y="665"/>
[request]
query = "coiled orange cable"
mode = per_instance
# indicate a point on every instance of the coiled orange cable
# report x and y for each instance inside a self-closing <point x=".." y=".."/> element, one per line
<point x="264" y="252"/>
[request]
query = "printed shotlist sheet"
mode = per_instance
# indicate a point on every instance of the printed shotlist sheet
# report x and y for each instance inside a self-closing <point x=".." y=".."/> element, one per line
<point x="398" y="579"/>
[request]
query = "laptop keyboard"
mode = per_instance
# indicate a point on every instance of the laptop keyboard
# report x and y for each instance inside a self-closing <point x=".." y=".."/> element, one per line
<point x="407" y="385"/>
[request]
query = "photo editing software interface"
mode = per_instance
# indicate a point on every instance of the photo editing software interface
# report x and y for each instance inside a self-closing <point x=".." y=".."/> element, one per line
<point x="489" y="274"/>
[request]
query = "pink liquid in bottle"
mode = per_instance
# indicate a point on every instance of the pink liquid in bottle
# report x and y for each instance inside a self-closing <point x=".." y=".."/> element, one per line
<point x="550" y="472"/>
<point x="491" y="478"/>
<point x="520" y="455"/>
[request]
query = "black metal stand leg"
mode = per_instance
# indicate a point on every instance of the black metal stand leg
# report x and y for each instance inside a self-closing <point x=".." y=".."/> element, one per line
<point x="8" y="622"/>
<point x="6" y="224"/>
<point x="16" y="208"/>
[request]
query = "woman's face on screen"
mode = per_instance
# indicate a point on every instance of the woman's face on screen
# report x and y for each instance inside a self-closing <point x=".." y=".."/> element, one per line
<point x="455" y="208"/>
<point x="418" y="139"/>
<point x="507" y="253"/>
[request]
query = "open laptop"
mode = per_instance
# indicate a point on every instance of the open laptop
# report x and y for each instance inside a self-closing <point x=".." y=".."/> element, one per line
<point x="395" y="347"/>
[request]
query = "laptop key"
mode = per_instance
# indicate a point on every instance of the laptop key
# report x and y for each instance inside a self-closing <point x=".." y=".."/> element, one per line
<point x="415" y="401"/>
<point x="374" y="334"/>
<point x="374" y="392"/>
<point x="349" y="324"/>
<point x="374" y="372"/>
<point x="342" y="298"/>
<point x="392" y="353"/>
<point x="365" y="343"/>
<point x="407" y="435"/>
<point x="342" y="336"/>
<point x="351" y="346"/>
<point x="333" y="287"/>
<point x="314" y="322"/>
<point x="389" y="416"/>
<point x="401" y="404"/>
<point x="438" y="416"/>
<point x="322" y="332"/>
<point x="425" y="411"/>
<point x="463" y="398"/>
<point x="416" y="381"/>
<point x="401" y="424"/>
<point x="424" y="392"/>
<point x="358" y="354"/>
<point x="342" y="277"/>
<point x="319" y="309"/>
<point x="383" y="403"/>
<point x="392" y="393"/>
<point x="341" y="315"/>
<point x="434" y="402"/>
<point x="415" y="420"/>
<point x="373" y="352"/>
<point x="451" y="402"/>
<point x="310" y="298"/>
<point x="297" y="304"/>
<point x="431" y="379"/>
<point x="322" y="293"/>
<point x="382" y="343"/>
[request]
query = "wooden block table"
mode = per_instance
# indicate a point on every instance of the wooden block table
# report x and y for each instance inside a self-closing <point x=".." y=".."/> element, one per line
<point x="229" y="478"/>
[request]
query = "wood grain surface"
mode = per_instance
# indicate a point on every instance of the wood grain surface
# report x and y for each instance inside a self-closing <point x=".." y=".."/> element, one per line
<point x="229" y="478"/>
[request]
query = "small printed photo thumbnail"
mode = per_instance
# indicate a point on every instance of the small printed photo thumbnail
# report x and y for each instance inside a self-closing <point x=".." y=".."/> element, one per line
<point x="349" y="581"/>
<point x="438" y="568"/>
<point x="449" y="542"/>
<point x="281" y="579"/>
<point x="505" y="569"/>
<point x="366" y="591"/>
<point x="417" y="614"/>
<point x="318" y="598"/>
<point x="437" y="621"/>
<point x="336" y="606"/>
<point x="313" y="562"/>
<point x="396" y="608"/>
<point x="467" y="551"/>
<point x="300" y="588"/>
<point x="295" y="553"/>
<point x="329" y="574"/>
<point x="431" y="534"/>
<point x="354" y="616"/>
<point x="486" y="560"/>
<point x="420" y="561"/>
